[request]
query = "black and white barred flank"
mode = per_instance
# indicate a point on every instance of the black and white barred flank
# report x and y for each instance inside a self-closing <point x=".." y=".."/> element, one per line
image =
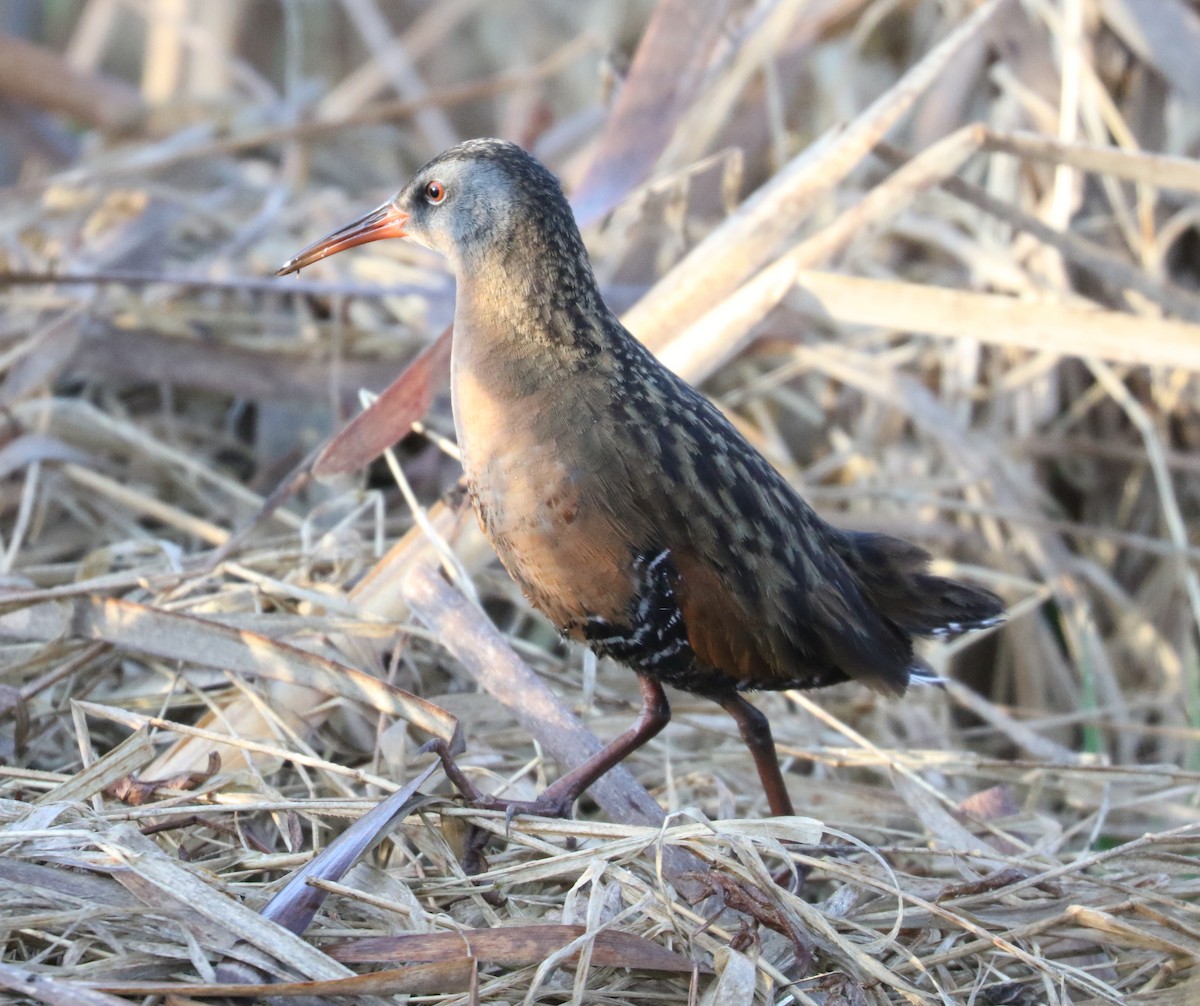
<point x="653" y="638"/>
<point x="952" y="629"/>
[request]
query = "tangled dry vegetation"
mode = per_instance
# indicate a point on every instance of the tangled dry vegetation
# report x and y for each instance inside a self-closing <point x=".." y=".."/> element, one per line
<point x="938" y="260"/>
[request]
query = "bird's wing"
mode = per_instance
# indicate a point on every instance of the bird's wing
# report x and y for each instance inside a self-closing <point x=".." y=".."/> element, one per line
<point x="765" y="595"/>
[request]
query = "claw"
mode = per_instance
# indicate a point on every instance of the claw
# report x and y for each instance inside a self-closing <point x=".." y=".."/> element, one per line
<point x="455" y="774"/>
<point x="549" y="804"/>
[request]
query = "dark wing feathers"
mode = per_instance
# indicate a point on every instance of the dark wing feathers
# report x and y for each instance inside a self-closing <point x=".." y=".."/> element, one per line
<point x="766" y="595"/>
<point x="770" y="595"/>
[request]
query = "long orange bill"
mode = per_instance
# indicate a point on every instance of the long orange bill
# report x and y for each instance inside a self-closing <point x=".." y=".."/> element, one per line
<point x="384" y="222"/>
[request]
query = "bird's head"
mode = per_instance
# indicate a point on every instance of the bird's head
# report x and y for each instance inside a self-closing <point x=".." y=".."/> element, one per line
<point x="473" y="201"/>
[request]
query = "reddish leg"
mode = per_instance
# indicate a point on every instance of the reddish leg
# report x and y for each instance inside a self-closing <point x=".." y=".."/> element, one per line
<point x="654" y="716"/>
<point x="558" y="798"/>
<point x="756" y="733"/>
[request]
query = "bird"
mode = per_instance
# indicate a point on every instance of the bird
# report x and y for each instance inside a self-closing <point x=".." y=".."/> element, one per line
<point x="626" y="506"/>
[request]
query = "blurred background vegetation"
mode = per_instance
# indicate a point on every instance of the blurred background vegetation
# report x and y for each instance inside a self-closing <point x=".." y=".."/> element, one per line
<point x="1009" y="379"/>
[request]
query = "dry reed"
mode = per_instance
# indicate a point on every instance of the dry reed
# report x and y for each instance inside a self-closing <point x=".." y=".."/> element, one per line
<point x="937" y="260"/>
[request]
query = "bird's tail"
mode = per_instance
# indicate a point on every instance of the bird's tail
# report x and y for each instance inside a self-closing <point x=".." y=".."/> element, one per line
<point x="893" y="572"/>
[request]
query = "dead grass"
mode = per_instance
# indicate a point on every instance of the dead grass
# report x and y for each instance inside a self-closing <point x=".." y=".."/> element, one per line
<point x="939" y="263"/>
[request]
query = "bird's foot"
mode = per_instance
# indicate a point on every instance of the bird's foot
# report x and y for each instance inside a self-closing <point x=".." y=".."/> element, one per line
<point x="552" y="803"/>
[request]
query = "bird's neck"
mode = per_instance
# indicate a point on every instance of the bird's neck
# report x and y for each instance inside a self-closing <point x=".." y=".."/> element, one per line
<point x="530" y="312"/>
<point x="534" y="346"/>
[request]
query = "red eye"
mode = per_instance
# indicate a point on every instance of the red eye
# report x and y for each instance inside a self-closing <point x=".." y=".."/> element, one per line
<point x="435" y="191"/>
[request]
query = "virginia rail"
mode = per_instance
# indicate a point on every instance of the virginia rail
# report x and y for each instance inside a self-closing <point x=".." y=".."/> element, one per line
<point x="627" y="508"/>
